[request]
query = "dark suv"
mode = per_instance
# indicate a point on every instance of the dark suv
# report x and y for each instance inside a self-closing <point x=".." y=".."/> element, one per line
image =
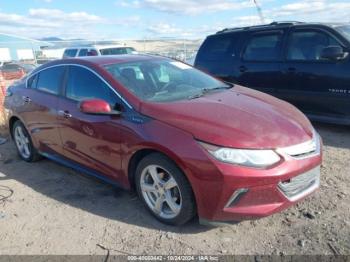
<point x="306" y="64"/>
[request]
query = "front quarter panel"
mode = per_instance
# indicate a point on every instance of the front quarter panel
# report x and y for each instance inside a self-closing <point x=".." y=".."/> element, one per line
<point x="180" y="147"/>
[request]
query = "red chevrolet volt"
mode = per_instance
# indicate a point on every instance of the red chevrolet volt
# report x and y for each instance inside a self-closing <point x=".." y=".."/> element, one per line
<point x="188" y="143"/>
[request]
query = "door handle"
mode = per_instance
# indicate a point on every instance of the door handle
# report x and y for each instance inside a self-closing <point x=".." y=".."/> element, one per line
<point x="243" y="69"/>
<point x="65" y="114"/>
<point x="26" y="99"/>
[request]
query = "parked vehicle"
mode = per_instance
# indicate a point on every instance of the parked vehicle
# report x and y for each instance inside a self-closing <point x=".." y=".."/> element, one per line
<point x="97" y="51"/>
<point x="14" y="70"/>
<point x="187" y="142"/>
<point x="306" y="64"/>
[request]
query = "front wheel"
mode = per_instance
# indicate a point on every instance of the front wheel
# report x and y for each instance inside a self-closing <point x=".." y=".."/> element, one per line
<point x="165" y="190"/>
<point x="24" y="143"/>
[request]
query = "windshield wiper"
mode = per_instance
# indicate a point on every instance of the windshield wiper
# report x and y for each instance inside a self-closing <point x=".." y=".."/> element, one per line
<point x="196" y="96"/>
<point x="207" y="90"/>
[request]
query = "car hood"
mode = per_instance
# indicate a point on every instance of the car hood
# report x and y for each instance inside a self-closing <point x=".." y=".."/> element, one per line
<point x="239" y="117"/>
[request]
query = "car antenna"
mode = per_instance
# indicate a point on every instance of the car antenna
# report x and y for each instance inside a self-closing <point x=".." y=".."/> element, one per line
<point x="258" y="8"/>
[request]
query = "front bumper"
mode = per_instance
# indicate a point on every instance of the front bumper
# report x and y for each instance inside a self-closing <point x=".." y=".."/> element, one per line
<point x="244" y="193"/>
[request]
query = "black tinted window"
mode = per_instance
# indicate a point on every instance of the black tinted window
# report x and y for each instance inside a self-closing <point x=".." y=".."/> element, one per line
<point x="117" y="51"/>
<point x="49" y="80"/>
<point x="308" y="45"/>
<point x="263" y="48"/>
<point x="11" y="67"/>
<point x="83" y="84"/>
<point x="33" y="81"/>
<point x="217" y="48"/>
<point x="70" y="52"/>
<point x="83" y="52"/>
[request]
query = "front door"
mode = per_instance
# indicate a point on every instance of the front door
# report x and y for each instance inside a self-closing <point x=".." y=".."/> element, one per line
<point x="90" y="140"/>
<point x="315" y="85"/>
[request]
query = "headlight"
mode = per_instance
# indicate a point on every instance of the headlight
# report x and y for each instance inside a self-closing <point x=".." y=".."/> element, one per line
<point x="244" y="157"/>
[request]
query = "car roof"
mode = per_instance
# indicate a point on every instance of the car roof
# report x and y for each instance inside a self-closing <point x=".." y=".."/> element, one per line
<point x="105" y="60"/>
<point x="97" y="47"/>
<point x="275" y="25"/>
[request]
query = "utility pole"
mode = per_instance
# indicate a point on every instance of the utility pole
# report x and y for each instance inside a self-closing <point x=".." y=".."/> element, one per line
<point x="258" y="8"/>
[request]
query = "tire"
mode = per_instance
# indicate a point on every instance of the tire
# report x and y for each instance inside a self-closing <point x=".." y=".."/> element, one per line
<point x="174" y="191"/>
<point x="21" y="136"/>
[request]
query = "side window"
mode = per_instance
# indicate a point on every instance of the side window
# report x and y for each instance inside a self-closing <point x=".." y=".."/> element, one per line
<point x="83" y="52"/>
<point x="70" y="52"/>
<point x="83" y="84"/>
<point x="265" y="47"/>
<point x="49" y="80"/>
<point x="308" y="45"/>
<point x="32" y="81"/>
<point x="217" y="48"/>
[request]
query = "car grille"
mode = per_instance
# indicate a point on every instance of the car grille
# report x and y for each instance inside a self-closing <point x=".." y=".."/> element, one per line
<point x="301" y="185"/>
<point x="303" y="150"/>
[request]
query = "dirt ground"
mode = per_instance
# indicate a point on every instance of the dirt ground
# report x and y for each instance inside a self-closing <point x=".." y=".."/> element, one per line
<point x="54" y="210"/>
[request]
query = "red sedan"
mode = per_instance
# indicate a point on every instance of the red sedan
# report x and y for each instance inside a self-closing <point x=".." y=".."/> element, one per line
<point x="187" y="142"/>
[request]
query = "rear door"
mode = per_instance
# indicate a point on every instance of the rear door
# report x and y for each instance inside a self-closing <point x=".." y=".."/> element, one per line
<point x="218" y="56"/>
<point x="261" y="61"/>
<point x="315" y="85"/>
<point x="39" y="110"/>
<point x="90" y="140"/>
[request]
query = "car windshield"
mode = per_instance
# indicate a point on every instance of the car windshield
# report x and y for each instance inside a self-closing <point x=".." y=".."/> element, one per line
<point x="164" y="80"/>
<point x="345" y="31"/>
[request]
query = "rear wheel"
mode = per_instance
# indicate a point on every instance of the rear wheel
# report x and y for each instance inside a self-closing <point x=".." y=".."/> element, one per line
<point x="24" y="143"/>
<point x="165" y="190"/>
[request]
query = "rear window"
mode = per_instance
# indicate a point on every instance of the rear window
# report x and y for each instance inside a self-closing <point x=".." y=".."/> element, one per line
<point x="70" y="52"/>
<point x="117" y="51"/>
<point x="218" y="47"/>
<point x="10" y="67"/>
<point x="265" y="47"/>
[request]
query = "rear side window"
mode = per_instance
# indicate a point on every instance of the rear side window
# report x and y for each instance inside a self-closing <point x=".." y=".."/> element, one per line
<point x="50" y="80"/>
<point x="308" y="45"/>
<point x="265" y="47"/>
<point x="70" y="52"/>
<point x="83" y="84"/>
<point x="83" y="52"/>
<point x="32" y="81"/>
<point x="218" y="47"/>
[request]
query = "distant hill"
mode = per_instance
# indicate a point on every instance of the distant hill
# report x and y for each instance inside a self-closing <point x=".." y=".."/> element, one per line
<point x="50" y="39"/>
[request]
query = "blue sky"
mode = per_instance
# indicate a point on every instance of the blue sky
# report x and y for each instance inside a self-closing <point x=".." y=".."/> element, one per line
<point x="138" y="19"/>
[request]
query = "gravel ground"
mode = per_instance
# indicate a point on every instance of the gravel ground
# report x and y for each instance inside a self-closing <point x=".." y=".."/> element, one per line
<point x="55" y="210"/>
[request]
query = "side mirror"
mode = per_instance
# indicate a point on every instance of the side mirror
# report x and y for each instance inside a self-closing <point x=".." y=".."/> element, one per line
<point x="332" y="53"/>
<point x="97" y="107"/>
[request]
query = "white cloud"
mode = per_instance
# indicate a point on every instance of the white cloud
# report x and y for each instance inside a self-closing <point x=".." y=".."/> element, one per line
<point x="42" y="22"/>
<point x="313" y="10"/>
<point x="189" y="7"/>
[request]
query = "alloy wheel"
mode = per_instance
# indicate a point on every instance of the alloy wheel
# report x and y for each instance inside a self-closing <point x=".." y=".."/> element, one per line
<point x="22" y="142"/>
<point x="161" y="192"/>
